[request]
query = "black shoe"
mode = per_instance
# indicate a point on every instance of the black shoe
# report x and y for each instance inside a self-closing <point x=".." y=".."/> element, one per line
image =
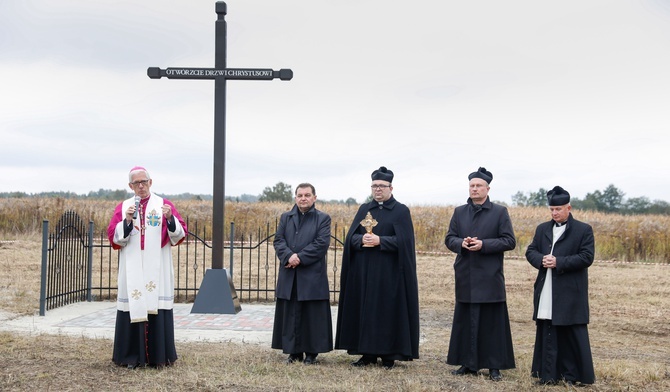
<point x="462" y="371"/>
<point x="310" y="359"/>
<point x="365" y="360"/>
<point x="133" y="365"/>
<point x="390" y="364"/>
<point x="294" y="358"/>
<point x="494" y="375"/>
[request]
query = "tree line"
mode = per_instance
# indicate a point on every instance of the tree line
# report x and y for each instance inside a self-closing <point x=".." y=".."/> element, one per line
<point x="609" y="200"/>
<point x="101" y="194"/>
<point x="280" y="192"/>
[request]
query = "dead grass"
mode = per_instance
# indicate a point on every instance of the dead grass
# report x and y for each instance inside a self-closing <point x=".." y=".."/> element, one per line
<point x="618" y="237"/>
<point x="630" y="337"/>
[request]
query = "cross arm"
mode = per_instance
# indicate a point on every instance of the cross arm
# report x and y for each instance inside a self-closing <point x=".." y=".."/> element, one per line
<point x="213" y="73"/>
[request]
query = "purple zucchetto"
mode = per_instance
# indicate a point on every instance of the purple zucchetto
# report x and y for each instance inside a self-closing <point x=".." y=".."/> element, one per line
<point x="558" y="196"/>
<point x="383" y="174"/>
<point x="483" y="174"/>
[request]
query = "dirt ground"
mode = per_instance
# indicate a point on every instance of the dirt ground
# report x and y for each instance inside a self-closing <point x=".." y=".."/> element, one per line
<point x="629" y="331"/>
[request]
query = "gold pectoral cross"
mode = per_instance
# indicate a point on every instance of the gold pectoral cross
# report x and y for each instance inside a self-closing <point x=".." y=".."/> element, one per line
<point x="369" y="222"/>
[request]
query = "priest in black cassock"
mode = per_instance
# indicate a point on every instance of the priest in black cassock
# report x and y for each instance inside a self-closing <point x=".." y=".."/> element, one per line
<point x="562" y="250"/>
<point x="479" y="233"/>
<point x="378" y="315"/>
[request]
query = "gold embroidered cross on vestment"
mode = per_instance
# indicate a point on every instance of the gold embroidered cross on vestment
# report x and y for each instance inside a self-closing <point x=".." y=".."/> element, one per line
<point x="151" y="286"/>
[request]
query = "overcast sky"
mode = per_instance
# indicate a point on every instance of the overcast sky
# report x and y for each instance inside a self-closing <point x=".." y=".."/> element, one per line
<point x="573" y="93"/>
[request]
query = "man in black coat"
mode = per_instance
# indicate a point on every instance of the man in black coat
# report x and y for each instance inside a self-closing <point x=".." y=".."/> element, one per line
<point x="562" y="250"/>
<point x="303" y="321"/>
<point x="479" y="233"/>
<point x="378" y="313"/>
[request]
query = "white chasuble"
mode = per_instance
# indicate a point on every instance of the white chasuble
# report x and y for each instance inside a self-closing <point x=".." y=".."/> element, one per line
<point x="146" y="277"/>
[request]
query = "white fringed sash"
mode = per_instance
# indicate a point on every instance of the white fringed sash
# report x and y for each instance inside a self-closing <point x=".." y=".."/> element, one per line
<point x="146" y="277"/>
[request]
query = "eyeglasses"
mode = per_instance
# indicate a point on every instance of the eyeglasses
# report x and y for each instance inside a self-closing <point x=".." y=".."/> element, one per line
<point x="379" y="186"/>
<point x="143" y="183"/>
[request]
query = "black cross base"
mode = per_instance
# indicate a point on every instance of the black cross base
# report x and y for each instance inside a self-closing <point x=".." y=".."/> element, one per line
<point x="217" y="294"/>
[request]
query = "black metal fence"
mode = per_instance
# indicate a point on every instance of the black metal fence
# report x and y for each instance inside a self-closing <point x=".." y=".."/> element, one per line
<point x="79" y="265"/>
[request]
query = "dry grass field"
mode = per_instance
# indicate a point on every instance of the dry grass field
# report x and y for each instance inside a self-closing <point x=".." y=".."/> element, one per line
<point x="618" y="237"/>
<point x="630" y="336"/>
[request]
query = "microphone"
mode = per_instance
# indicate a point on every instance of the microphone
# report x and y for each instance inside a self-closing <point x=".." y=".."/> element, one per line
<point x="137" y="206"/>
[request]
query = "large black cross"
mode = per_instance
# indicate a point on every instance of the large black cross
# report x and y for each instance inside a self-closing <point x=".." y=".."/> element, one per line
<point x="210" y="288"/>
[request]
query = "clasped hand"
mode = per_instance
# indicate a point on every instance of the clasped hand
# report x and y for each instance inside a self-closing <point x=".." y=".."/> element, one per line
<point x="370" y="239"/>
<point x="293" y="261"/>
<point x="549" y="261"/>
<point x="472" y="243"/>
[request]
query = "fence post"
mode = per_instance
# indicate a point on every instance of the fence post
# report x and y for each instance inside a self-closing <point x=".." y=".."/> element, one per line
<point x="43" y="282"/>
<point x="232" y="246"/>
<point x="89" y="273"/>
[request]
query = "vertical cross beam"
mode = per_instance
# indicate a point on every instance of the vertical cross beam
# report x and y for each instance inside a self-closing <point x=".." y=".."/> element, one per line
<point x="217" y="292"/>
<point x="219" y="194"/>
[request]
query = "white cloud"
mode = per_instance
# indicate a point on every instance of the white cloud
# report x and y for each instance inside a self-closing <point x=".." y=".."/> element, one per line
<point x="568" y="93"/>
